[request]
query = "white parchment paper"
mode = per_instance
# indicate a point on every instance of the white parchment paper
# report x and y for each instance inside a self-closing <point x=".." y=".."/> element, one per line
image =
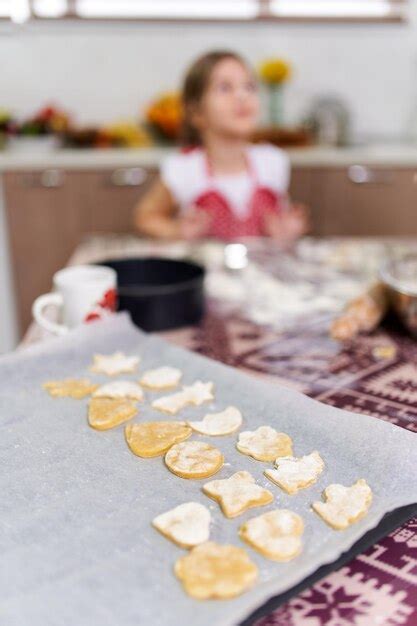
<point x="76" y="544"/>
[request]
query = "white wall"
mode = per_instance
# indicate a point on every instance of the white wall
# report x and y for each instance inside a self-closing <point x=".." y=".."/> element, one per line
<point x="110" y="71"/>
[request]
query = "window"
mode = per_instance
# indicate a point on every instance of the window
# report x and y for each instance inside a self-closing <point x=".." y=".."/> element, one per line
<point x="211" y="10"/>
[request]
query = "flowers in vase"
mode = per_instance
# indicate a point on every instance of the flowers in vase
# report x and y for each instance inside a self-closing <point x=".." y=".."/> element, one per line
<point x="274" y="73"/>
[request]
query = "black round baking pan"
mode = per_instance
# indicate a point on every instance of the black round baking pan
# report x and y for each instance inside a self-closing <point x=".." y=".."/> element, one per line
<point x="159" y="293"/>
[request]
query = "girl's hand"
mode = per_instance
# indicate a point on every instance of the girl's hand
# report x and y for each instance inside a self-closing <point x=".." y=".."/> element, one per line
<point x="194" y="224"/>
<point x="289" y="225"/>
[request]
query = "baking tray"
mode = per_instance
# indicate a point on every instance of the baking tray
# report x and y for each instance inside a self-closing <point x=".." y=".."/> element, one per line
<point x="77" y="546"/>
<point x="389" y="522"/>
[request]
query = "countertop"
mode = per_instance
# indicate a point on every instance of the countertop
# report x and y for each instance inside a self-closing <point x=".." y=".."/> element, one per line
<point x="373" y="154"/>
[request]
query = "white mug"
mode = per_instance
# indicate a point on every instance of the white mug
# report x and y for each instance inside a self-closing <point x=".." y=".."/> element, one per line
<point x="82" y="293"/>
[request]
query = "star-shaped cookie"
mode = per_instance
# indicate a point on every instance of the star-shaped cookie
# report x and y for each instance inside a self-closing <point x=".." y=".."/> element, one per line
<point x="237" y="494"/>
<point x="194" y="394"/>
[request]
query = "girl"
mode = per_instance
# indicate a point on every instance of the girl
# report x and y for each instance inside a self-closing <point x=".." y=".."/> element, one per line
<point x="221" y="185"/>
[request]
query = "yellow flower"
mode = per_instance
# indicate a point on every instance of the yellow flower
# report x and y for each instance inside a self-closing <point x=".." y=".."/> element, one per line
<point x="275" y="71"/>
<point x="128" y="134"/>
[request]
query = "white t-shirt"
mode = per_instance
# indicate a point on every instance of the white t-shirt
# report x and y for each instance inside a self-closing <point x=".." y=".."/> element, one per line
<point x="185" y="175"/>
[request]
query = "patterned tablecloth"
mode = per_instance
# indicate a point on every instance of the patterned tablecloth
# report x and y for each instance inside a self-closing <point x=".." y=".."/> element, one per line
<point x="376" y="375"/>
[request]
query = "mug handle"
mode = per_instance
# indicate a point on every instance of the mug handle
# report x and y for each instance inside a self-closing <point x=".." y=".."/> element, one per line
<point x="37" y="311"/>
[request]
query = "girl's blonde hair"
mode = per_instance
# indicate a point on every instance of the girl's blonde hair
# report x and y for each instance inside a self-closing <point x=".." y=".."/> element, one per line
<point x="195" y="85"/>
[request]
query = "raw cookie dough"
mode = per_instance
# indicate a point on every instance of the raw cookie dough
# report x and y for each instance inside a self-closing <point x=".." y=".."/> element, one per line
<point x="119" y="389"/>
<point x="187" y="525"/>
<point x="105" y="413"/>
<point x="69" y="388"/>
<point x="276" y="534"/>
<point x="149" y="439"/>
<point x="264" y="443"/>
<point x="194" y="394"/>
<point x="194" y="459"/>
<point x="237" y="493"/>
<point x="214" y="571"/>
<point x="222" y="423"/>
<point x="112" y="364"/>
<point x="293" y="474"/>
<point x="166" y="377"/>
<point x="344" y="506"/>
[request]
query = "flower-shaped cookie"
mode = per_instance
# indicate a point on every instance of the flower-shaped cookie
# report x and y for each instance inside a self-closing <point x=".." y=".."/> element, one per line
<point x="165" y="377"/>
<point x="216" y="571"/>
<point x="119" y="389"/>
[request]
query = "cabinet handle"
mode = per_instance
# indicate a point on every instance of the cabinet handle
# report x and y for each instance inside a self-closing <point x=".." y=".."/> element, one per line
<point x="362" y="175"/>
<point x="128" y="177"/>
<point x="50" y="179"/>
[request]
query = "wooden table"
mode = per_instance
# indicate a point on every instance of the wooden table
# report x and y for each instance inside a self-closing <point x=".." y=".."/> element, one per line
<point x="378" y="587"/>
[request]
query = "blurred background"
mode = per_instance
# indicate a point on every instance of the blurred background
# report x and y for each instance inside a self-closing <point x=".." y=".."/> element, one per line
<point x="89" y="106"/>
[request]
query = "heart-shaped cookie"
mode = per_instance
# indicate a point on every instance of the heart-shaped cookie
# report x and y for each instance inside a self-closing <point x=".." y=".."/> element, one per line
<point x="105" y="413"/>
<point x="150" y="439"/>
<point x="276" y="534"/>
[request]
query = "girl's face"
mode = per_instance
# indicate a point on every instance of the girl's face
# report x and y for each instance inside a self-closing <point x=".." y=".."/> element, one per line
<point x="230" y="105"/>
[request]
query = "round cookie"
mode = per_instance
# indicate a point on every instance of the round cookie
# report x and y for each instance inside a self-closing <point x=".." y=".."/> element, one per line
<point x="194" y="459"/>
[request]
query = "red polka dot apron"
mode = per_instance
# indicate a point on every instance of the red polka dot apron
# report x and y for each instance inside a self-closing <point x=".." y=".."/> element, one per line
<point x="225" y="222"/>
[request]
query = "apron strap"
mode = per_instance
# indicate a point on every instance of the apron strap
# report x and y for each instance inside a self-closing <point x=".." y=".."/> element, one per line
<point x="249" y="168"/>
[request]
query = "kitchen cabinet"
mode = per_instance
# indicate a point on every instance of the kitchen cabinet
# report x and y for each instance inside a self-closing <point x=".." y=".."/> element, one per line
<point x="363" y="201"/>
<point x="49" y="211"/>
